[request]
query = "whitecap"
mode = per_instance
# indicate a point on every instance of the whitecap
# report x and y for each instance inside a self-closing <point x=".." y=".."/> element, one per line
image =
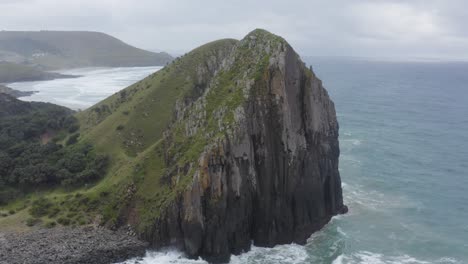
<point x="164" y="257"/>
<point x="366" y="257"/>
<point x="282" y="254"/>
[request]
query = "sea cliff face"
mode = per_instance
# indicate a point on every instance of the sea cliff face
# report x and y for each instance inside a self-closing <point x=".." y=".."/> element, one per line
<point x="234" y="142"/>
<point x="268" y="168"/>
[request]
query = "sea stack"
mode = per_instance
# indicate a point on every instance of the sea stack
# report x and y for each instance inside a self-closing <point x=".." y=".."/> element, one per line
<point x="247" y="151"/>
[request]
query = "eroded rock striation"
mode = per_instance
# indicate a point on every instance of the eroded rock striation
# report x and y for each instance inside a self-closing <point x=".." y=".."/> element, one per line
<point x="268" y="168"/>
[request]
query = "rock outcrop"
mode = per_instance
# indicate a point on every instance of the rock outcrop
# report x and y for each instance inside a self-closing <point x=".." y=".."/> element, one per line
<point x="234" y="142"/>
<point x="267" y="170"/>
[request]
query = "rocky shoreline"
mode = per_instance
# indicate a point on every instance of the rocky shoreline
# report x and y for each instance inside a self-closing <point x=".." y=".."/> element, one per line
<point x="88" y="245"/>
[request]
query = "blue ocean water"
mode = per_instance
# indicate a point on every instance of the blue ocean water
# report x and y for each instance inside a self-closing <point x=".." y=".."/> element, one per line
<point x="404" y="162"/>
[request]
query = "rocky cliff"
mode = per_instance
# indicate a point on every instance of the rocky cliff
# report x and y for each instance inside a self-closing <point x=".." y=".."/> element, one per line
<point x="249" y="151"/>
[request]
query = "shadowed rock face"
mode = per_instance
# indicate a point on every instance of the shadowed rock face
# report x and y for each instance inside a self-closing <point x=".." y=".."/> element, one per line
<point x="273" y="177"/>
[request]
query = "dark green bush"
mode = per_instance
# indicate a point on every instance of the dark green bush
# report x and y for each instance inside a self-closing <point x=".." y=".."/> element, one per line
<point x="73" y="139"/>
<point x="71" y="214"/>
<point x="81" y="222"/>
<point x="64" y="221"/>
<point x="54" y="211"/>
<point x="40" y="207"/>
<point x="50" y="224"/>
<point x="32" y="221"/>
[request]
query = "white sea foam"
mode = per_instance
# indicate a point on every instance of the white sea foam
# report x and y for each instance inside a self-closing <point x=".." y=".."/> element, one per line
<point x="164" y="257"/>
<point x="365" y="257"/>
<point x="287" y="254"/>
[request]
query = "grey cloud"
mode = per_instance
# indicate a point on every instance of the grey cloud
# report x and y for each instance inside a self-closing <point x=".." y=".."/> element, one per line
<point x="374" y="28"/>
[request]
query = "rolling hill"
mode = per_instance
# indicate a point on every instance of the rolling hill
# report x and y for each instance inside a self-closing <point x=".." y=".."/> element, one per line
<point x="51" y="50"/>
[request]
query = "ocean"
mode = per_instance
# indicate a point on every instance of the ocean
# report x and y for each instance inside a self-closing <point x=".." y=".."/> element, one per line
<point x="403" y="163"/>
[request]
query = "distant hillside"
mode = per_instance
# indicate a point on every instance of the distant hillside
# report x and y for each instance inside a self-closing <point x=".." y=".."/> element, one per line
<point x="71" y="49"/>
<point x="13" y="92"/>
<point x="13" y="72"/>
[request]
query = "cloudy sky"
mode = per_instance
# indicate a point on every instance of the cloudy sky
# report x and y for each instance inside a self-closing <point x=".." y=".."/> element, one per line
<point x="412" y="29"/>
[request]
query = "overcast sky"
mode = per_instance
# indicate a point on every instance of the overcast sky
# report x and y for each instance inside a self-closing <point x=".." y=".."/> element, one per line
<point x="436" y="29"/>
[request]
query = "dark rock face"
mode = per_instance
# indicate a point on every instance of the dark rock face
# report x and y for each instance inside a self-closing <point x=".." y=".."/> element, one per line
<point x="273" y="180"/>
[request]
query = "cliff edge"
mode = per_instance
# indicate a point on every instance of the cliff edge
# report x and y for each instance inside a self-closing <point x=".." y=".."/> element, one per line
<point x="235" y="142"/>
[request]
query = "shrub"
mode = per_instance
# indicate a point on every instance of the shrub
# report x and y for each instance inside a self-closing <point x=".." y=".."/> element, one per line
<point x="83" y="201"/>
<point x="71" y="214"/>
<point x="63" y="221"/>
<point x="32" y="221"/>
<point x="50" y="224"/>
<point x="73" y="128"/>
<point x="54" y="211"/>
<point x="73" y="139"/>
<point x="104" y="194"/>
<point x="40" y="207"/>
<point x="11" y="212"/>
<point x="81" y="222"/>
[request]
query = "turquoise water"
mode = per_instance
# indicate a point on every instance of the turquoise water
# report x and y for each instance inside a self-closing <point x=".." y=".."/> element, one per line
<point x="404" y="166"/>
